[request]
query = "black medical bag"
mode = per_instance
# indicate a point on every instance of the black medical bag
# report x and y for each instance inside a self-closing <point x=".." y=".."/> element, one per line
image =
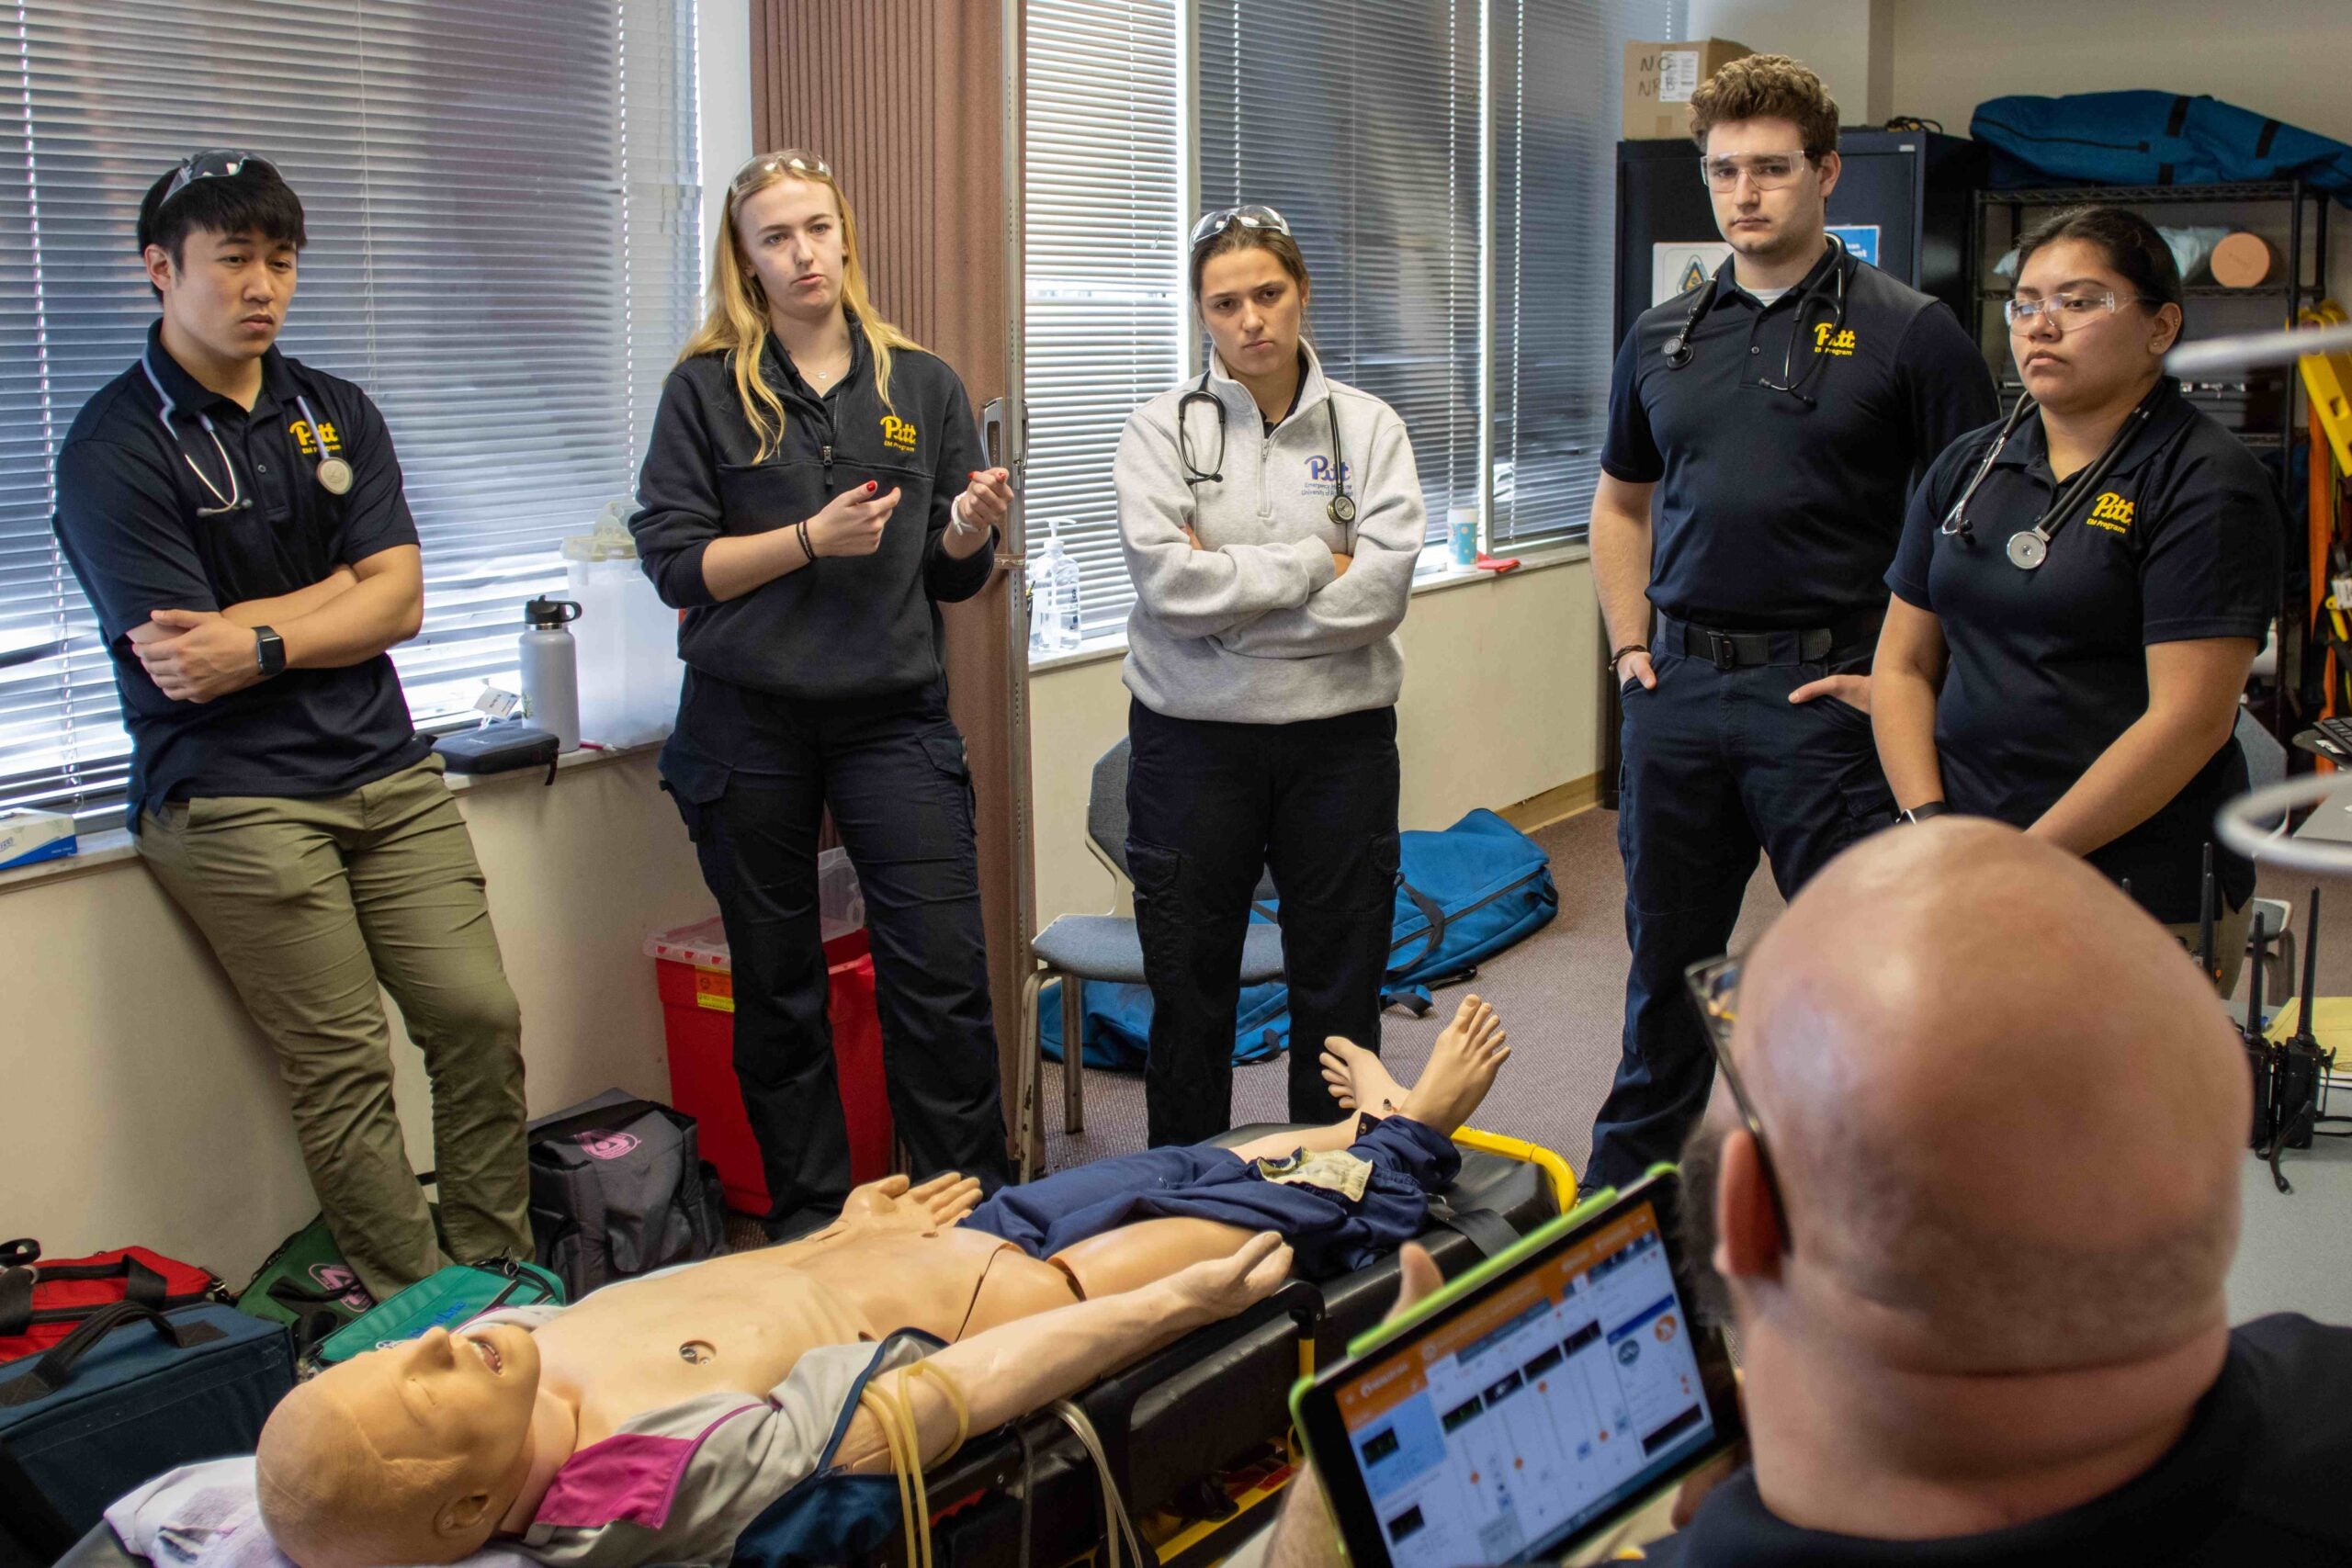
<point x="130" y="1394"/>
<point x="618" y="1189"/>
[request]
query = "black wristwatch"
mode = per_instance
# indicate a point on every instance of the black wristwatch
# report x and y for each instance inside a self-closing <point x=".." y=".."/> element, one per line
<point x="270" y="650"/>
<point x="1923" y="811"/>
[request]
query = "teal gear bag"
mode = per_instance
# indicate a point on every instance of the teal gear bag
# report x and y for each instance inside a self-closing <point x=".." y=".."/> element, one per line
<point x="446" y="1299"/>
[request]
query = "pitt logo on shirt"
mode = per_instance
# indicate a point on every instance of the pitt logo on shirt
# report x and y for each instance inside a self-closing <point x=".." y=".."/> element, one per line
<point x="2112" y="513"/>
<point x="898" y="434"/>
<point x="1318" y="475"/>
<point x="1842" y="344"/>
<point x="301" y="430"/>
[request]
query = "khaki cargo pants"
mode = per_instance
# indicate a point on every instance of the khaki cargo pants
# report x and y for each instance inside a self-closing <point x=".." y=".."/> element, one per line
<point x="309" y="904"/>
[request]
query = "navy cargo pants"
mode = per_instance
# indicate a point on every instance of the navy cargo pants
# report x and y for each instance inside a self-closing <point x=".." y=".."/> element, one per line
<point x="1717" y="765"/>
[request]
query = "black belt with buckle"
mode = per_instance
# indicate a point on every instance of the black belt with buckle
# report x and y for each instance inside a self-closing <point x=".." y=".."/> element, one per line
<point x="1747" y="650"/>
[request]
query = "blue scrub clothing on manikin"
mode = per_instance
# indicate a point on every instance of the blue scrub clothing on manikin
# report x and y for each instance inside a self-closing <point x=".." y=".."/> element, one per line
<point x="1329" y="1233"/>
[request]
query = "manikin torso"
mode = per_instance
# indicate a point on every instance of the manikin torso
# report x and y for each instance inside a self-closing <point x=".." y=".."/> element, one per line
<point x="738" y="1323"/>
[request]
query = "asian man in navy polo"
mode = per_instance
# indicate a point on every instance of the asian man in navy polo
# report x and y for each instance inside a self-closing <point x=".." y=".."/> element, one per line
<point x="1778" y="414"/>
<point x="238" y="522"/>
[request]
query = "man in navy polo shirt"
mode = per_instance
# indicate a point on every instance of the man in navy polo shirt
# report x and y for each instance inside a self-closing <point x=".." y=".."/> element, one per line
<point x="1778" y="414"/>
<point x="237" y="521"/>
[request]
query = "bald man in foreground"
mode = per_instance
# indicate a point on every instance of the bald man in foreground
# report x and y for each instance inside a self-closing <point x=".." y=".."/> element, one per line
<point x="2005" y="1115"/>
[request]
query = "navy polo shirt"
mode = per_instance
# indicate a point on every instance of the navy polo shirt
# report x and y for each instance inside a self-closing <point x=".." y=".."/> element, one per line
<point x="127" y="506"/>
<point x="2048" y="667"/>
<point x="1774" y="511"/>
<point x="2257" y="1478"/>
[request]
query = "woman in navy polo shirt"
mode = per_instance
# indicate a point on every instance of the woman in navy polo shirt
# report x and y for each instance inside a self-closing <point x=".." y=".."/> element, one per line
<point x="2081" y="590"/>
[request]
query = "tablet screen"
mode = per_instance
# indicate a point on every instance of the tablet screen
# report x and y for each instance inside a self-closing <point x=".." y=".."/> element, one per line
<point x="1559" y="1396"/>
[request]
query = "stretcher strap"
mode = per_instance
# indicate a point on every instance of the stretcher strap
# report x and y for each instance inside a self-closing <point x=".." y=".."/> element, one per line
<point x="893" y="1410"/>
<point x="1116" y="1526"/>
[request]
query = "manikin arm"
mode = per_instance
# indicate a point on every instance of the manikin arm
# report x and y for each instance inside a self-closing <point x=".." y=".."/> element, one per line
<point x="1008" y="1372"/>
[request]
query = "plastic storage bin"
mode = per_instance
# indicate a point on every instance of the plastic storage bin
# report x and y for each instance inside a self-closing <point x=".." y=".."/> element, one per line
<point x="695" y="973"/>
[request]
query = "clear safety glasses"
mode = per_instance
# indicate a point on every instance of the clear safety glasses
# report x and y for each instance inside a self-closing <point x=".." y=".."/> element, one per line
<point x="1714" y="987"/>
<point x="1766" y="171"/>
<point x="768" y="165"/>
<point x="1212" y="224"/>
<point x="2067" y="311"/>
<point x="212" y="164"/>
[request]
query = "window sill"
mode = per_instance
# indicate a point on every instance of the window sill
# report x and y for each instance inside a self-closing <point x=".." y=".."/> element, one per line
<point x="113" y="847"/>
<point x="1113" y="645"/>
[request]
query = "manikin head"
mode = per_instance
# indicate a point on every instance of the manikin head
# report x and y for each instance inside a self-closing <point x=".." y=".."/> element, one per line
<point x="409" y="1454"/>
<point x="1250" y="285"/>
<point x="219" y="235"/>
<point x="2110" y="293"/>
<point x="2005" y="1114"/>
<point x="1767" y="132"/>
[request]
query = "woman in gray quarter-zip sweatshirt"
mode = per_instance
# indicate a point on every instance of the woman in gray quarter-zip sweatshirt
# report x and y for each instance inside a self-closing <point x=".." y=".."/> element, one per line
<point x="1271" y="518"/>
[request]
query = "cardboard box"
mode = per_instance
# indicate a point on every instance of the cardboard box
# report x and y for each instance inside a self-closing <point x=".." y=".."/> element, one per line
<point x="1660" y="78"/>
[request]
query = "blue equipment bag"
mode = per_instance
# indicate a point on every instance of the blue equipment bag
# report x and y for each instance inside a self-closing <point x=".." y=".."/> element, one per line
<point x="2151" y="139"/>
<point x="130" y="1394"/>
<point x="1463" y="896"/>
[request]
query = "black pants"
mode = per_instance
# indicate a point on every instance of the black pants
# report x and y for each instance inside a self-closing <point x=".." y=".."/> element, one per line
<point x="752" y="774"/>
<point x="1716" y="763"/>
<point x="1209" y="806"/>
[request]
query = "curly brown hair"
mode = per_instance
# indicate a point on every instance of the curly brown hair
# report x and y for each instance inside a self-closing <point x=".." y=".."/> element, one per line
<point x="1760" y="86"/>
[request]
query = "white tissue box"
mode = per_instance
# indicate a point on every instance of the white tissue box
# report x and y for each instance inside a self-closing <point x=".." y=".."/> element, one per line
<point x="29" y="837"/>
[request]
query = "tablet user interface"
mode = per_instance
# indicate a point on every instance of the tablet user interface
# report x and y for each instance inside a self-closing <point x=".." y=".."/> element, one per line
<point x="1558" y="1398"/>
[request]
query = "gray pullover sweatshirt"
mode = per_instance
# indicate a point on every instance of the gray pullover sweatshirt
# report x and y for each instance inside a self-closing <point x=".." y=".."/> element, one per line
<point x="1256" y="627"/>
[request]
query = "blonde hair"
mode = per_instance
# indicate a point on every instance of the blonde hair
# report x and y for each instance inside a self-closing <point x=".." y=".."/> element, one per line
<point x="737" y="321"/>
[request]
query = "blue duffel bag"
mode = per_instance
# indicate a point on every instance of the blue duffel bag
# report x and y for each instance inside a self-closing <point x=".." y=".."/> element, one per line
<point x="2151" y="139"/>
<point x="1463" y="896"/>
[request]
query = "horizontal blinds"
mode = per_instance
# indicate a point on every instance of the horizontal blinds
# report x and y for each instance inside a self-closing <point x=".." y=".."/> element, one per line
<point x="1558" y="68"/>
<point x="1101" y="274"/>
<point x="502" y="204"/>
<point x="1358" y="120"/>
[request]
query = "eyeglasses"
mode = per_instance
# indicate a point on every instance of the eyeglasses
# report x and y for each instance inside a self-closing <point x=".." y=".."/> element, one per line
<point x="2067" y="311"/>
<point x="1714" y="987"/>
<point x="212" y="164"/>
<point x="1213" y="224"/>
<point x="1767" y="170"/>
<point x="769" y="166"/>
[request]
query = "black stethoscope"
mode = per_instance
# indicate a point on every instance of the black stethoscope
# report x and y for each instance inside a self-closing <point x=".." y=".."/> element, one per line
<point x="334" y="473"/>
<point x="1679" y="353"/>
<point x="1342" y="507"/>
<point x="2029" y="548"/>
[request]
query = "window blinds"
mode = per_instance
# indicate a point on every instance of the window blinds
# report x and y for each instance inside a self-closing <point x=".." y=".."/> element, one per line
<point x="1557" y="82"/>
<point x="503" y="203"/>
<point x="1358" y="120"/>
<point x="1104" y="281"/>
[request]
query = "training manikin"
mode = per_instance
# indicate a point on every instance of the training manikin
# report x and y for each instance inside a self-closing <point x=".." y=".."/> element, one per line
<point x="657" y="1418"/>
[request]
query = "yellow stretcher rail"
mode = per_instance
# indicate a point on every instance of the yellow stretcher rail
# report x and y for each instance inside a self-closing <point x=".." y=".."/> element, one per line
<point x="1564" y="1181"/>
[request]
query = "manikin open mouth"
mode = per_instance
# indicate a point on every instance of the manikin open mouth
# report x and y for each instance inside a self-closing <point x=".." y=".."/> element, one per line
<point x="490" y="1354"/>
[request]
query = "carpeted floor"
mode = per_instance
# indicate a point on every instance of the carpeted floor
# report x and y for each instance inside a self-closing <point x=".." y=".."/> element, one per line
<point x="1561" y="995"/>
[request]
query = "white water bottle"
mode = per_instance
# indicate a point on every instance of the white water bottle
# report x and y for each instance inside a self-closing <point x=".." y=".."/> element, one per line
<point x="1052" y="596"/>
<point x="551" y="661"/>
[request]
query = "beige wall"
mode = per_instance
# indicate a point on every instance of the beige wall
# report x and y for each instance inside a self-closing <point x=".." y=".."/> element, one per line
<point x="1500" y="692"/>
<point x="143" y="1107"/>
<point x="1843" y="40"/>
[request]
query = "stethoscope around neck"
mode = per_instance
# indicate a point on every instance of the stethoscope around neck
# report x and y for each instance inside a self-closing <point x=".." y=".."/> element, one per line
<point x="1680" y="351"/>
<point x="1341" y="509"/>
<point x="334" y="473"/>
<point x="2029" y="548"/>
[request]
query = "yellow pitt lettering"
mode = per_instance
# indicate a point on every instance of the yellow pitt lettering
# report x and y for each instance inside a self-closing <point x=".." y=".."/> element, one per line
<point x="2112" y="513"/>
<point x="899" y="434"/>
<point x="301" y="430"/>
<point x="1842" y="344"/>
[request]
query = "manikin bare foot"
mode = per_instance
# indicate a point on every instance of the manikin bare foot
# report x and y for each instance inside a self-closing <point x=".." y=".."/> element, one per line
<point x="1359" y="1081"/>
<point x="1462" y="1068"/>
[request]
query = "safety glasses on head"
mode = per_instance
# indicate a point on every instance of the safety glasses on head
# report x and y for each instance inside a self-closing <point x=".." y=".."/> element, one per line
<point x="212" y="164"/>
<point x="2068" y="311"/>
<point x="1212" y="224"/>
<point x="1714" y="988"/>
<point x="770" y="166"/>
<point x="1766" y="171"/>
